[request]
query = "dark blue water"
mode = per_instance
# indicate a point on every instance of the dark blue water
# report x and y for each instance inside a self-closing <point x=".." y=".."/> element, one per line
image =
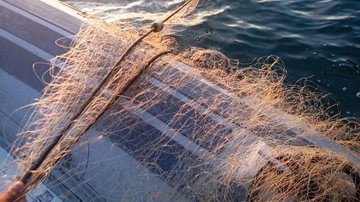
<point x="316" y="39"/>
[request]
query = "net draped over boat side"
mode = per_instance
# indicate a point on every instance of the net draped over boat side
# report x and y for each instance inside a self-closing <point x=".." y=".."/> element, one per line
<point x="194" y="120"/>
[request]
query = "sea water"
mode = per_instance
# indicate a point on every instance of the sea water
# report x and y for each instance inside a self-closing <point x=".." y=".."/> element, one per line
<point x="319" y="40"/>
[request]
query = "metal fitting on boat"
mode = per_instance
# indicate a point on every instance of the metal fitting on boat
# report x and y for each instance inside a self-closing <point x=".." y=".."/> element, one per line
<point x="157" y="26"/>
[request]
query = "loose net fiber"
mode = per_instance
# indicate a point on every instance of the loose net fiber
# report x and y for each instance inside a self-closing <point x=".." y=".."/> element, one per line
<point x="194" y="126"/>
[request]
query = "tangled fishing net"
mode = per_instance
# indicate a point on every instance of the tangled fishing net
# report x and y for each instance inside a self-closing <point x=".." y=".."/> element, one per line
<point x="192" y="119"/>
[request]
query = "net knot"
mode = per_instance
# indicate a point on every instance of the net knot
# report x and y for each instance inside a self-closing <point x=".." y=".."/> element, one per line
<point x="157" y="26"/>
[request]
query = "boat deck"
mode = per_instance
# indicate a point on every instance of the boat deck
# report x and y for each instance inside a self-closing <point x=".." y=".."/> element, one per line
<point x="29" y="30"/>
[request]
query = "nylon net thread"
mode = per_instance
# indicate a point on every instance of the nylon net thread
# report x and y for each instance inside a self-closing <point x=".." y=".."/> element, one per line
<point x="228" y="134"/>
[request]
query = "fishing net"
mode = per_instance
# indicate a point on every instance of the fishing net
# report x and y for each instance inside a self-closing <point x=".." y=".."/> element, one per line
<point x="185" y="125"/>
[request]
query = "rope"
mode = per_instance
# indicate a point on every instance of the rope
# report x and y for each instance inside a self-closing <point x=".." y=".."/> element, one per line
<point x="118" y="92"/>
<point x="155" y="27"/>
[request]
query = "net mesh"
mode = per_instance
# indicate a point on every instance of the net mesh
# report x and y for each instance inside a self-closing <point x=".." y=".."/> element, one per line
<point x="193" y="126"/>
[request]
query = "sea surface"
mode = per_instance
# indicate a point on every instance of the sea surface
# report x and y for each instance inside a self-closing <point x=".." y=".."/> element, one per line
<point x="317" y="39"/>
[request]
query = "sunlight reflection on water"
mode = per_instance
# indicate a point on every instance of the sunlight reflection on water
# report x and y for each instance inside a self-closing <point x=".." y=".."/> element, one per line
<point x="317" y="39"/>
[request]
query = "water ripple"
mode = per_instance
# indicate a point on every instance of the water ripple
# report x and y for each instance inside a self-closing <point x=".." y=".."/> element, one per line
<point x="319" y="38"/>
